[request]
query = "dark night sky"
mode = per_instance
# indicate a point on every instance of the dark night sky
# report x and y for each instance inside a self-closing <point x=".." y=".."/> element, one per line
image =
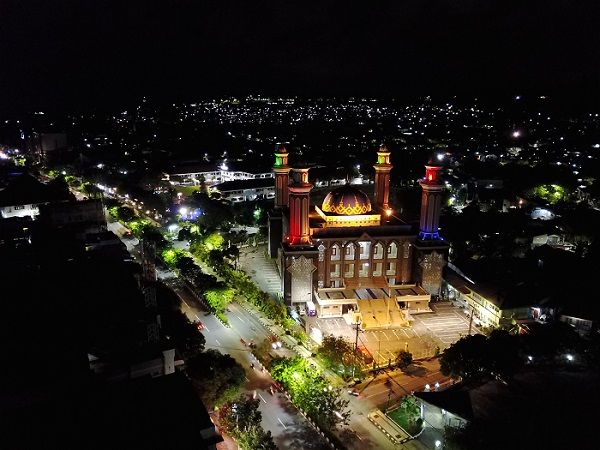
<point x="66" y="54"/>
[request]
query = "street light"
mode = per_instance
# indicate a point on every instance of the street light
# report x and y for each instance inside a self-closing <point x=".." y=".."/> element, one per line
<point x="438" y="444"/>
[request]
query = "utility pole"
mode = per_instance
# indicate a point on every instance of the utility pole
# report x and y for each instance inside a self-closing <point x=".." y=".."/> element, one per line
<point x="471" y="319"/>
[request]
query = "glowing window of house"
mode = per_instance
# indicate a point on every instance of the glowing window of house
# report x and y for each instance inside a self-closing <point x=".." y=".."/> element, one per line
<point x="350" y="251"/>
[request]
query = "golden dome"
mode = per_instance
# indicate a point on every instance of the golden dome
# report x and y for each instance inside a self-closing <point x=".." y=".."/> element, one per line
<point x="347" y="200"/>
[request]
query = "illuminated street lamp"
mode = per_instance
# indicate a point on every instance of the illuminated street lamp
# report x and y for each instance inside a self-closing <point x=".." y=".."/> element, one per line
<point x="438" y="444"/>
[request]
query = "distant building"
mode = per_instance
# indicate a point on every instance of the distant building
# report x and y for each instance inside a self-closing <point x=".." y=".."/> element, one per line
<point x="24" y="194"/>
<point x="246" y="190"/>
<point x="195" y="174"/>
<point x="353" y="258"/>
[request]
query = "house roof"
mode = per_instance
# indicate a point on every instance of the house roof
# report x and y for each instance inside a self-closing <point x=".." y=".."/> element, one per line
<point x="507" y="289"/>
<point x="27" y="190"/>
<point x="237" y="185"/>
<point x="493" y="399"/>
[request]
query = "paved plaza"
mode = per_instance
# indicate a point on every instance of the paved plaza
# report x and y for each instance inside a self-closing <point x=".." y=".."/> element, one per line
<point x="448" y="323"/>
<point x="262" y="269"/>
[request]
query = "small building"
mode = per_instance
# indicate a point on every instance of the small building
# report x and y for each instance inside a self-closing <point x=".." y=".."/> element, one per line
<point x="246" y="190"/>
<point x="85" y="216"/>
<point x="24" y="194"/>
<point x="523" y="413"/>
<point x="195" y="174"/>
<point x="492" y="301"/>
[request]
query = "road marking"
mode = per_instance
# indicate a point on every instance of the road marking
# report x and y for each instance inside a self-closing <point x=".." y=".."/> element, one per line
<point x="246" y="378"/>
<point x="393" y="331"/>
<point x="386" y="336"/>
<point x="282" y="424"/>
<point x="217" y="341"/>
<point x="261" y="397"/>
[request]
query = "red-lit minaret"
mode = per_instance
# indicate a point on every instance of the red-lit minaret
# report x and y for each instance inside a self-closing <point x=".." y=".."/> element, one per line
<point x="299" y="205"/>
<point x="282" y="177"/>
<point x="382" y="178"/>
<point x="431" y="202"/>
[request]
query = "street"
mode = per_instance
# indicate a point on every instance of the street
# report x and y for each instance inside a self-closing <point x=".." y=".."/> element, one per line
<point x="289" y="428"/>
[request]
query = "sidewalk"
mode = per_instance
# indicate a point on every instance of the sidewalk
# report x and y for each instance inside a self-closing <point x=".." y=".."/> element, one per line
<point x="391" y="429"/>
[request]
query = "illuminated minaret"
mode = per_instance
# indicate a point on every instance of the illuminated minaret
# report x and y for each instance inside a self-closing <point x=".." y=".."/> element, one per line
<point x="299" y="205"/>
<point x="282" y="177"/>
<point x="382" y="178"/>
<point x="431" y="202"/>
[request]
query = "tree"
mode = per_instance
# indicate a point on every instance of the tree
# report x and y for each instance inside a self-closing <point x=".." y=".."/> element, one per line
<point x="404" y="359"/>
<point x="503" y="354"/>
<point x="337" y="353"/>
<point x="466" y="358"/>
<point x="242" y="419"/>
<point x="219" y="298"/>
<point x="310" y="391"/>
<point x="125" y="214"/>
<point x="217" y="377"/>
<point x="186" y="337"/>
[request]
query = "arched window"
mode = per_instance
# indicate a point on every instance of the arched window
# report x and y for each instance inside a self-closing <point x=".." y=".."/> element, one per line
<point x="392" y="250"/>
<point x="349" y="251"/>
<point x="335" y="252"/>
<point x="378" y="251"/>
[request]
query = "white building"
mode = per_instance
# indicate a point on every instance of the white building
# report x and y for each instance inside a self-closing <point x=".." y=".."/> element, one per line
<point x="246" y="190"/>
<point x="193" y="175"/>
<point x="23" y="196"/>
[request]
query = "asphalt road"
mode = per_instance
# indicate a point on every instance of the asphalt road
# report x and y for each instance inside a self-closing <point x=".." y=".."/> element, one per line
<point x="289" y="428"/>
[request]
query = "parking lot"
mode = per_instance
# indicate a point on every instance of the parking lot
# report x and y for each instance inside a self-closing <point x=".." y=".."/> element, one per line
<point x="448" y="323"/>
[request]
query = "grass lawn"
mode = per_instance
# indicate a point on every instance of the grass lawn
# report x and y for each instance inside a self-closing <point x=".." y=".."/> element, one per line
<point x="406" y="421"/>
<point x="187" y="190"/>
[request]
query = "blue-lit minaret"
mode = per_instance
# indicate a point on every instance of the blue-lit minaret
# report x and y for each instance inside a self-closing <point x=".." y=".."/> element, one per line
<point x="431" y="250"/>
<point x="431" y="202"/>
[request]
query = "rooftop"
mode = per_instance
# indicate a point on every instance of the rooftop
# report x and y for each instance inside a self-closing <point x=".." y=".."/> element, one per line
<point x="237" y="185"/>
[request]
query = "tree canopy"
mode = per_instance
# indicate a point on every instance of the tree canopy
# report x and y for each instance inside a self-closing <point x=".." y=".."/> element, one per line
<point x="217" y="377"/>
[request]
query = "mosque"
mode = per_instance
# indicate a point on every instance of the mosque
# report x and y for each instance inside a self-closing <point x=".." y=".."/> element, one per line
<point x="353" y="257"/>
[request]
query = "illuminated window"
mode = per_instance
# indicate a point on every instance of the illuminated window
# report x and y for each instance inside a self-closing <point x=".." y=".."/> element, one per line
<point x="335" y="253"/>
<point x="364" y="270"/>
<point x="378" y="251"/>
<point x="392" y="250"/>
<point x="335" y="270"/>
<point x="349" y="270"/>
<point x="365" y="249"/>
<point x="390" y="268"/>
<point x="377" y="270"/>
